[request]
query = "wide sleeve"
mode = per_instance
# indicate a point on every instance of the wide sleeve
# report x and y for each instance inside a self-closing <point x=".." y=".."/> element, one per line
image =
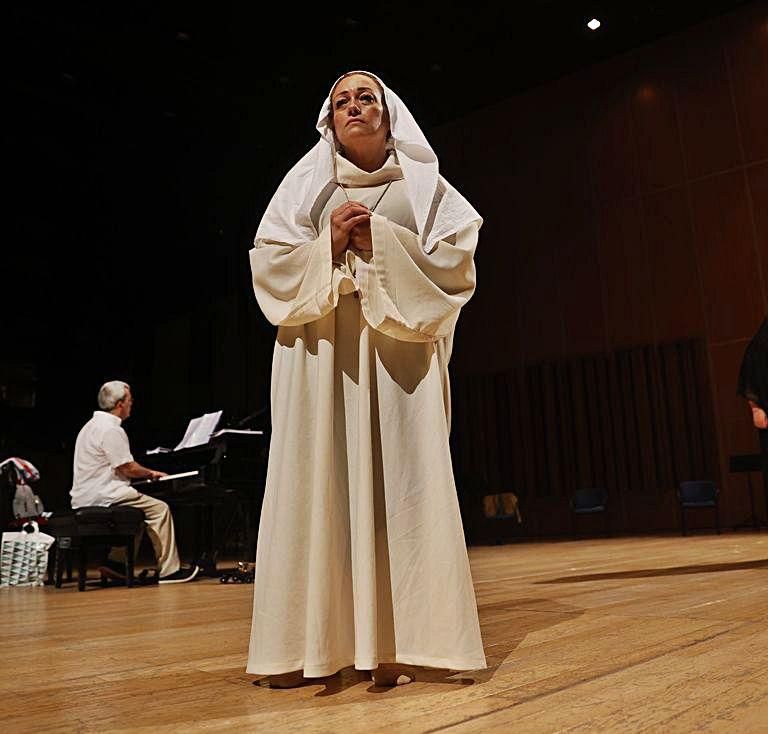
<point x="408" y="294"/>
<point x="295" y="284"/>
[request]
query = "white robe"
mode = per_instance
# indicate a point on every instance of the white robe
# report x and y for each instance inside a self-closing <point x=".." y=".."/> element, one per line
<point x="361" y="556"/>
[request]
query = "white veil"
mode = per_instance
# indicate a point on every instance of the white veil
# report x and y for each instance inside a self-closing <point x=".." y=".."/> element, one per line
<point x="439" y="210"/>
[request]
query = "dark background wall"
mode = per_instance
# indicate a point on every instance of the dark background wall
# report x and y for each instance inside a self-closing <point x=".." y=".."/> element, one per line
<point x="627" y="205"/>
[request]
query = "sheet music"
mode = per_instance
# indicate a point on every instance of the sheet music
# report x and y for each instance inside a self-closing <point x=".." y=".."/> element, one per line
<point x="199" y="430"/>
<point x="243" y="431"/>
<point x="193" y="424"/>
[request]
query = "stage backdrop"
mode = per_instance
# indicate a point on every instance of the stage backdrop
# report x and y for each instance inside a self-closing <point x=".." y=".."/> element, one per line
<point x="624" y="257"/>
<point x="626" y="208"/>
<point x="634" y="422"/>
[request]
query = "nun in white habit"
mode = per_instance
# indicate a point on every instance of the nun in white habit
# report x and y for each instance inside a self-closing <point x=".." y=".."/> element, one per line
<point x="363" y="260"/>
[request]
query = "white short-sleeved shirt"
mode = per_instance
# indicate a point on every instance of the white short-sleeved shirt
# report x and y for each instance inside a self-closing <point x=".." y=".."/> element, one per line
<point x="102" y="445"/>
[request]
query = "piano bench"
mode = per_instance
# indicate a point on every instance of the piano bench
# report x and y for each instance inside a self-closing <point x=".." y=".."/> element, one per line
<point x="87" y="526"/>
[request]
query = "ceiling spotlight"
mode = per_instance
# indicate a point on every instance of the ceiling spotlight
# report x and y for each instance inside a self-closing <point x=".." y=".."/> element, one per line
<point x="593" y="24"/>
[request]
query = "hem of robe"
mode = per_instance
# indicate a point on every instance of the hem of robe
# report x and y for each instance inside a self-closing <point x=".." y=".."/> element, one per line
<point x="322" y="670"/>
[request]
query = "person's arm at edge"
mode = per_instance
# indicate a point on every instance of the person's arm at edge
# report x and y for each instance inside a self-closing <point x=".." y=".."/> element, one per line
<point x="134" y="470"/>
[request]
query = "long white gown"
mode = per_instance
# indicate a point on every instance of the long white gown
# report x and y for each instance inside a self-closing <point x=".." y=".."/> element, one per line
<point x="361" y="556"/>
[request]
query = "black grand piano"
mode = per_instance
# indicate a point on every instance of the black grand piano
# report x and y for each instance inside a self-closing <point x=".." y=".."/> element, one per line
<point x="216" y="504"/>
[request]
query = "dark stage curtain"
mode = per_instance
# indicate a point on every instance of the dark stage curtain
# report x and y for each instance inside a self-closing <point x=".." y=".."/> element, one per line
<point x="637" y="420"/>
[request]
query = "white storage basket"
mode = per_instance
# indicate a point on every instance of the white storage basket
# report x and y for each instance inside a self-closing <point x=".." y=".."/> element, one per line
<point x="24" y="557"/>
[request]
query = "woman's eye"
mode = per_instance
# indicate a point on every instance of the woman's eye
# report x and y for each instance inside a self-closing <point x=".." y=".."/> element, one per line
<point x="340" y="103"/>
<point x="367" y="98"/>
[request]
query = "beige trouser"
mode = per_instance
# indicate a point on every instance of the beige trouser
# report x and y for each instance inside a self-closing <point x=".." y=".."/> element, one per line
<point x="157" y="517"/>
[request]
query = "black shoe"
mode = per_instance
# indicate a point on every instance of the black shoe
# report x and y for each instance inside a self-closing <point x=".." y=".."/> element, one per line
<point x="181" y="576"/>
<point x="148" y="577"/>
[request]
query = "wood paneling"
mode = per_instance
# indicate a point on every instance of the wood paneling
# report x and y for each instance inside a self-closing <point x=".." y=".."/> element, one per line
<point x="707" y="116"/>
<point x="613" y="152"/>
<point x="673" y="266"/>
<point x="621" y="212"/>
<point x="747" y="50"/>
<point x="726" y="254"/>
<point x="757" y="177"/>
<point x="541" y="311"/>
<point x="579" y="281"/>
<point x="626" y="274"/>
<point x="656" y="132"/>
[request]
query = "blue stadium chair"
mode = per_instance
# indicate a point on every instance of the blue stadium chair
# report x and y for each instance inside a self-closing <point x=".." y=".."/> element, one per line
<point x="697" y="494"/>
<point x="590" y="501"/>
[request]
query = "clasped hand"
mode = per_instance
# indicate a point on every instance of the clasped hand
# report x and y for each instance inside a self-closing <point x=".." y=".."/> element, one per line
<point x="351" y="227"/>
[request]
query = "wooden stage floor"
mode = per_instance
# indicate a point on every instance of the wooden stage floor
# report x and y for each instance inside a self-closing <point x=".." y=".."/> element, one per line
<point x="662" y="634"/>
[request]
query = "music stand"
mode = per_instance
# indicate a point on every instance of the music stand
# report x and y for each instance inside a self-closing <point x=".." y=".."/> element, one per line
<point x="748" y="463"/>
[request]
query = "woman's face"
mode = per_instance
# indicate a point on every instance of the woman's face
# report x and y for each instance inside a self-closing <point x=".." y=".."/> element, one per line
<point x="359" y="115"/>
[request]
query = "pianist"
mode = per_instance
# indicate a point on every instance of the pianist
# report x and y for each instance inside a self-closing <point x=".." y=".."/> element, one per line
<point x="103" y="470"/>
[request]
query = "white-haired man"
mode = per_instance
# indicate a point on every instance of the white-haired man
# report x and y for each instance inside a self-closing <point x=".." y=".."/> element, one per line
<point x="103" y="468"/>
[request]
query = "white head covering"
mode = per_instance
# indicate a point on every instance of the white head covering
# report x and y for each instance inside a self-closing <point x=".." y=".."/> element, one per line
<point x="439" y="210"/>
